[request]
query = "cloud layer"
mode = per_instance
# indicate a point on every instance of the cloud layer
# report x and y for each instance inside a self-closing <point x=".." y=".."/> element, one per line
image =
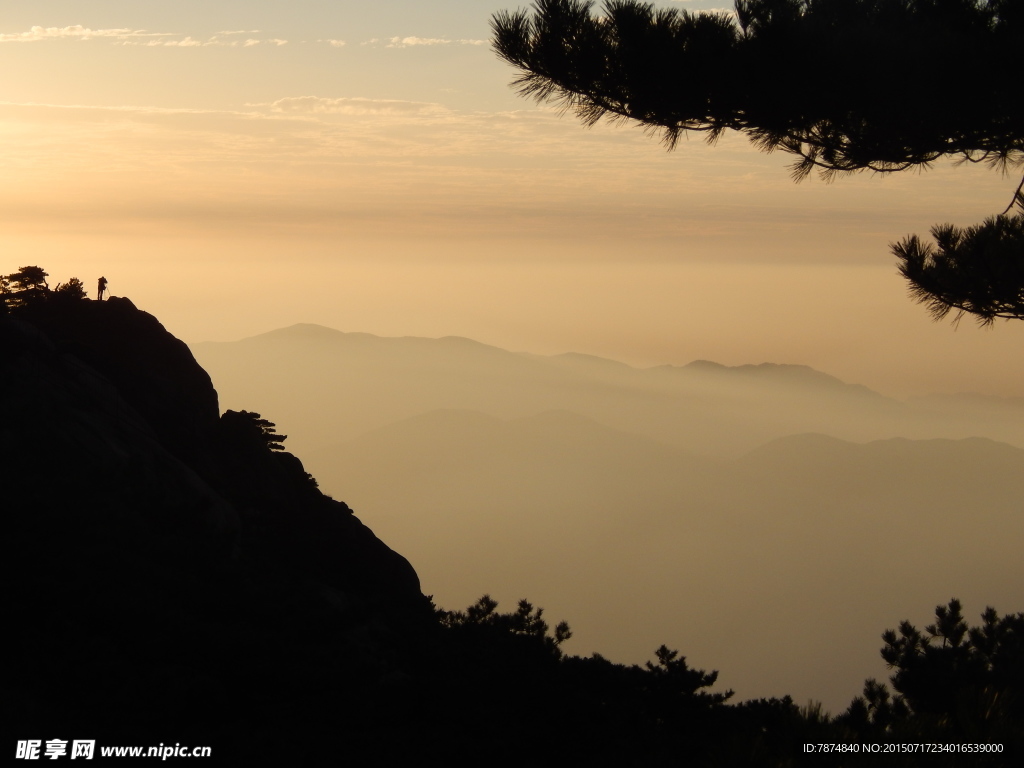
<point x="409" y="42"/>
<point x="317" y="105"/>
<point x="127" y="36"/>
<point x="77" y="32"/>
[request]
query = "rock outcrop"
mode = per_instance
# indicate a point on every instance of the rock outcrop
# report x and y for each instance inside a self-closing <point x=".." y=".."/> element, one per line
<point x="170" y="574"/>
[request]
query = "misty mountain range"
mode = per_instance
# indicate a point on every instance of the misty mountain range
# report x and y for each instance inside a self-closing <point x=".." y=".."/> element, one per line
<point x="766" y="519"/>
<point x="355" y="382"/>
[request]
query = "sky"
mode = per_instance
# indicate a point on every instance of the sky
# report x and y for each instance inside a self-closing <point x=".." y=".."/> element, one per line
<point x="235" y="167"/>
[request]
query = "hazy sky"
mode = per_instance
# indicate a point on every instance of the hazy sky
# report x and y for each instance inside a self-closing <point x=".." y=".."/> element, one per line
<point x="239" y="166"/>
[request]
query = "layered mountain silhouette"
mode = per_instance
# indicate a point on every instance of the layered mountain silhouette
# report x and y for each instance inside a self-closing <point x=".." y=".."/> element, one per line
<point x="694" y="503"/>
<point x="355" y="382"/>
<point x="811" y="539"/>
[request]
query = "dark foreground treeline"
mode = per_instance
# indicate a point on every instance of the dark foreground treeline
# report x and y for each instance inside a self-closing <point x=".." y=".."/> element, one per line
<point x="175" y="577"/>
<point x="951" y="685"/>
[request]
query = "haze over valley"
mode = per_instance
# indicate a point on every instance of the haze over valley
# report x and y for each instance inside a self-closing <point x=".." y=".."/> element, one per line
<point x="767" y="520"/>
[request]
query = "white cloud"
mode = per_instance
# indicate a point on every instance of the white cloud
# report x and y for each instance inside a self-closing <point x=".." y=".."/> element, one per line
<point x="317" y="105"/>
<point x="188" y="42"/>
<point x="239" y="32"/>
<point x="128" y="108"/>
<point x="253" y="41"/>
<point x="333" y="43"/>
<point x="406" y="42"/>
<point x="76" y="32"/>
<point x="135" y="37"/>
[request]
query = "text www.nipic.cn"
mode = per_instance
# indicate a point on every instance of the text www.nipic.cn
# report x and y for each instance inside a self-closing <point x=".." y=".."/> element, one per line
<point x="52" y="749"/>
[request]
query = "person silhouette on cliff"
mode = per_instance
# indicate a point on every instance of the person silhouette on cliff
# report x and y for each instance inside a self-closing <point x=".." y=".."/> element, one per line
<point x="102" y="288"/>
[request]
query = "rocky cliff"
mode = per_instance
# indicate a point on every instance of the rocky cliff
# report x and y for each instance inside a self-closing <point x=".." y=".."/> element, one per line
<point x="171" y="576"/>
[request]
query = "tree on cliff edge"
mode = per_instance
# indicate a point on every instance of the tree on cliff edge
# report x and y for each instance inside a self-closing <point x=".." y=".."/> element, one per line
<point x="254" y="427"/>
<point x="25" y="285"/>
<point x="29" y="279"/>
<point x="73" y="289"/>
<point x="28" y="285"/>
<point x="843" y="85"/>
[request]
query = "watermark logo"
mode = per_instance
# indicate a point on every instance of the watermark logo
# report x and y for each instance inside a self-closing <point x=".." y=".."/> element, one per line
<point x="33" y="749"/>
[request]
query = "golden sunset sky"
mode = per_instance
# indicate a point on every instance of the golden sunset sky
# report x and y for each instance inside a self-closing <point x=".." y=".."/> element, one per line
<point x="235" y="167"/>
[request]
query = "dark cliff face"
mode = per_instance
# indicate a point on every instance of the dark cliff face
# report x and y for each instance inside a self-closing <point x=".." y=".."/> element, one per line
<point x="167" y="563"/>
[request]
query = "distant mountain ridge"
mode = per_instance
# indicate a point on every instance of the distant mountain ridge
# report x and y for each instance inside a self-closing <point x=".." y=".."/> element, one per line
<point x="777" y="372"/>
<point x="704" y="407"/>
<point x="318" y="333"/>
<point x="787" y="373"/>
<point x="314" y="332"/>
